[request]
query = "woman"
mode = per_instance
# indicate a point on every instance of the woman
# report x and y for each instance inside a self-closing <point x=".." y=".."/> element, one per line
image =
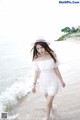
<point x="46" y="70"/>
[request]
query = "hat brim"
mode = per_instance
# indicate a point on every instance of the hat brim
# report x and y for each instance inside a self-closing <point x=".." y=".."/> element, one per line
<point x="32" y="44"/>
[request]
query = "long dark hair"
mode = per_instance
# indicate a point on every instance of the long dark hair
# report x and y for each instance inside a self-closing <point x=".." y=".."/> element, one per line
<point x="46" y="47"/>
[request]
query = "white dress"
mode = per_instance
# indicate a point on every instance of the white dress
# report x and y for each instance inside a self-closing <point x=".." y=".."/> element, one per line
<point x="48" y="80"/>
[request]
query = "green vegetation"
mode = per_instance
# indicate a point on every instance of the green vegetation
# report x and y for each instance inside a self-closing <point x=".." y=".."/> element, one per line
<point x="69" y="32"/>
<point x="63" y="37"/>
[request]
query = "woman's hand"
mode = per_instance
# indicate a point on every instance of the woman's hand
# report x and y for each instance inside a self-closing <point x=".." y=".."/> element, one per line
<point x="34" y="89"/>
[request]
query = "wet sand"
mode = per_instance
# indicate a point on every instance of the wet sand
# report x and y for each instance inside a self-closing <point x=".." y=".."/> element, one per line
<point x="32" y="107"/>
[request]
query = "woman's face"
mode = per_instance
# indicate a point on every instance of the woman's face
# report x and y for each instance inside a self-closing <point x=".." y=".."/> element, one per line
<point x="40" y="49"/>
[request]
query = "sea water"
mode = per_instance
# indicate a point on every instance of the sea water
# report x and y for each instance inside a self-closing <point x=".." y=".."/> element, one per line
<point x="15" y="72"/>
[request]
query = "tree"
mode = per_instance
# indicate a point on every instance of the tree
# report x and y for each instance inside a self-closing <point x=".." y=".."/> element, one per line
<point x="66" y="30"/>
<point x="74" y="29"/>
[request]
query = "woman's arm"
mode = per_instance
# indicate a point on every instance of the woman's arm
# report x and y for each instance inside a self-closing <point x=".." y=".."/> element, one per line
<point x="36" y="75"/>
<point x="57" y="71"/>
<point x="59" y="75"/>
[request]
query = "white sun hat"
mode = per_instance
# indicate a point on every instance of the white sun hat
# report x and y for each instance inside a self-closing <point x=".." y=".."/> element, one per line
<point x="40" y="40"/>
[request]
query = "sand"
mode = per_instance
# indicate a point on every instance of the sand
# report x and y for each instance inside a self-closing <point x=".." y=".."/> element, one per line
<point x="32" y="107"/>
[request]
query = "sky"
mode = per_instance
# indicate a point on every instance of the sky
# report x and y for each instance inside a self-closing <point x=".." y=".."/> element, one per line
<point x="28" y="20"/>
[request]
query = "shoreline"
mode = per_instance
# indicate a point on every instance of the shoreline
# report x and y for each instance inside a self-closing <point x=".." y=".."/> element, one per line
<point x="32" y="107"/>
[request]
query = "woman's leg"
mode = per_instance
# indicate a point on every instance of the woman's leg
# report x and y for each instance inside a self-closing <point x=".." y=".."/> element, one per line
<point x="49" y="105"/>
<point x="46" y="99"/>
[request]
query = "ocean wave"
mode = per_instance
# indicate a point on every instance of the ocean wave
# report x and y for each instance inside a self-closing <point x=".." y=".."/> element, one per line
<point x="11" y="96"/>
